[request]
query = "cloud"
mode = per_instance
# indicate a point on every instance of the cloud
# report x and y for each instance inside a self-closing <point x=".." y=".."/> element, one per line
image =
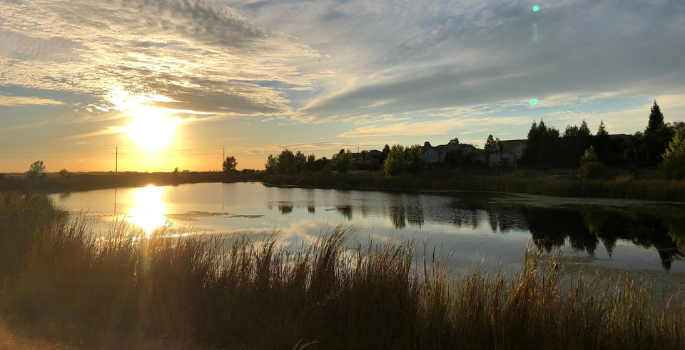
<point x="409" y="57"/>
<point x="432" y="127"/>
<point x="198" y="55"/>
<point x="254" y="152"/>
<point x="12" y="101"/>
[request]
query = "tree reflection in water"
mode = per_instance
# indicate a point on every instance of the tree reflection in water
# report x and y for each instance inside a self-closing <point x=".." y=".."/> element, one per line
<point x="583" y="229"/>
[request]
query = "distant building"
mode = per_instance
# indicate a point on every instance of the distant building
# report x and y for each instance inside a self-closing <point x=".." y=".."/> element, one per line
<point x="435" y="155"/>
<point x="373" y="157"/>
<point x="511" y="154"/>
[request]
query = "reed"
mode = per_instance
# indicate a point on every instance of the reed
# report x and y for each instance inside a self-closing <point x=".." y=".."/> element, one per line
<point x="64" y="286"/>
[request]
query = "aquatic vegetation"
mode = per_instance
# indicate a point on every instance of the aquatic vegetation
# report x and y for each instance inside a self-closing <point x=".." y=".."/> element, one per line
<point x="63" y="285"/>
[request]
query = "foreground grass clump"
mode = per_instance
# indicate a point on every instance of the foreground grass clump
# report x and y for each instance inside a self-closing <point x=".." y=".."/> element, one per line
<point x="63" y="286"/>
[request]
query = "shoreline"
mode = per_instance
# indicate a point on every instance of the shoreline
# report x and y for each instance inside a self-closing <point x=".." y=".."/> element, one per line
<point x="658" y="191"/>
<point x="620" y="188"/>
<point x="78" y="182"/>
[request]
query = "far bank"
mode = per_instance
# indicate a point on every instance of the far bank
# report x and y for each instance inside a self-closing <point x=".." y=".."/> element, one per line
<point x="535" y="183"/>
<point x="53" y="183"/>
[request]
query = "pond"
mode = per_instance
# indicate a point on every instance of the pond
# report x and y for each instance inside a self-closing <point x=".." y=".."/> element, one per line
<point x="467" y="228"/>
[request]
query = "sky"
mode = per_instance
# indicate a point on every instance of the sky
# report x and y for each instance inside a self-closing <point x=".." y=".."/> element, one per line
<point x="176" y="83"/>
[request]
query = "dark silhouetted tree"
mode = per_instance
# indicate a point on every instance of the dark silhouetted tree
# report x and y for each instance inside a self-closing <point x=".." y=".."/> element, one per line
<point x="344" y="162"/>
<point x="454" y="141"/>
<point x="286" y="163"/>
<point x="413" y="163"/>
<point x="37" y="169"/>
<point x="229" y="165"/>
<point x="656" y="118"/>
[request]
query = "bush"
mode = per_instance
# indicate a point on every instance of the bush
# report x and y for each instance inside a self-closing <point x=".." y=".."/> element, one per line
<point x="673" y="165"/>
<point x="590" y="167"/>
<point x="66" y="173"/>
<point x="37" y="169"/>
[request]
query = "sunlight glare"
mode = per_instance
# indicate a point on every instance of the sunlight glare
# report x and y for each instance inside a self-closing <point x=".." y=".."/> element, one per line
<point x="151" y="128"/>
<point x="149" y="211"/>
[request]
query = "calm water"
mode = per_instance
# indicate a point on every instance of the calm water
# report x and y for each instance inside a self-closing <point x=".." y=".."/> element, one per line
<point x="468" y="228"/>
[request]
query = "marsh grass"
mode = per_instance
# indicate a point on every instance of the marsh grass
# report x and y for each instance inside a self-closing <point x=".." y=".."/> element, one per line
<point x="62" y="285"/>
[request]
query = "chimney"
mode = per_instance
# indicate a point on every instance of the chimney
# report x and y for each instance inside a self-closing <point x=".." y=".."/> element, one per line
<point x="427" y="144"/>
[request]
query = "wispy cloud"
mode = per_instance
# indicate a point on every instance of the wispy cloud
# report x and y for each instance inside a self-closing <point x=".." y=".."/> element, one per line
<point x="12" y="101"/>
<point x="198" y="55"/>
<point x="433" y="127"/>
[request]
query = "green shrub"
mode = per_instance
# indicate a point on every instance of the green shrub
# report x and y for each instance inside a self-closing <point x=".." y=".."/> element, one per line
<point x="590" y="167"/>
<point x="673" y="165"/>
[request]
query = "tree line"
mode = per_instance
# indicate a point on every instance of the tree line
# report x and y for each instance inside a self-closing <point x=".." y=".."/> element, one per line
<point x="548" y="148"/>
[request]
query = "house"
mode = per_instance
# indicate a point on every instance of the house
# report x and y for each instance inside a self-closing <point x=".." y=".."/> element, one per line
<point x="511" y="154"/>
<point x="373" y="157"/>
<point x="435" y="155"/>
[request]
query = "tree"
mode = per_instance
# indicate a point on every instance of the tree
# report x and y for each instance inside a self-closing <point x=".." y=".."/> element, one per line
<point x="286" y="163"/>
<point x="656" y="118"/>
<point x="385" y="152"/>
<point x="344" y="162"/>
<point x="413" y="162"/>
<point x="499" y="146"/>
<point x="574" y="143"/>
<point x="590" y="167"/>
<point x="673" y="165"/>
<point x="271" y="166"/>
<point x="300" y="162"/>
<point x="66" y="173"/>
<point x="37" y="169"/>
<point x="489" y="148"/>
<point x="229" y="165"/>
<point x="311" y="163"/>
<point x="394" y="164"/>
<point x="454" y="141"/>
<point x="365" y="155"/>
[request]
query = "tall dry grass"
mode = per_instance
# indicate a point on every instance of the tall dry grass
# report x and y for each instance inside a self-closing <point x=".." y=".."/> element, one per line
<point x="62" y="285"/>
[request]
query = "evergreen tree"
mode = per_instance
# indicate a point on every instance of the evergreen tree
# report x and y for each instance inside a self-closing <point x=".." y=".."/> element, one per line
<point x="656" y="118"/>
<point x="602" y="143"/>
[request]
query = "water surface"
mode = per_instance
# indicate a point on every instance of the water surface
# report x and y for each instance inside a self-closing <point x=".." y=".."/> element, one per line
<point x="468" y="228"/>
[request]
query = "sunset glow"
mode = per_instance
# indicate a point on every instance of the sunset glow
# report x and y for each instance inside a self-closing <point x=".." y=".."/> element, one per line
<point x="186" y="80"/>
<point x="151" y="129"/>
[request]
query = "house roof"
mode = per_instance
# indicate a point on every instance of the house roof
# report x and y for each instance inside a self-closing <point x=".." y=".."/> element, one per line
<point x="447" y="148"/>
<point x="509" y="144"/>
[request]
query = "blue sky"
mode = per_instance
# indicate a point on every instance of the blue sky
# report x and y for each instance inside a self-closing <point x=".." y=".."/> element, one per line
<point x="78" y="78"/>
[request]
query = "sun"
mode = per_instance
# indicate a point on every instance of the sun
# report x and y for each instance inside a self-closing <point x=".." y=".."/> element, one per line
<point x="151" y="128"/>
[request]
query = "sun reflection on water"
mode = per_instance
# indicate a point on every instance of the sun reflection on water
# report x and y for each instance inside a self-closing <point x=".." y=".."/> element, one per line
<point x="149" y="211"/>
